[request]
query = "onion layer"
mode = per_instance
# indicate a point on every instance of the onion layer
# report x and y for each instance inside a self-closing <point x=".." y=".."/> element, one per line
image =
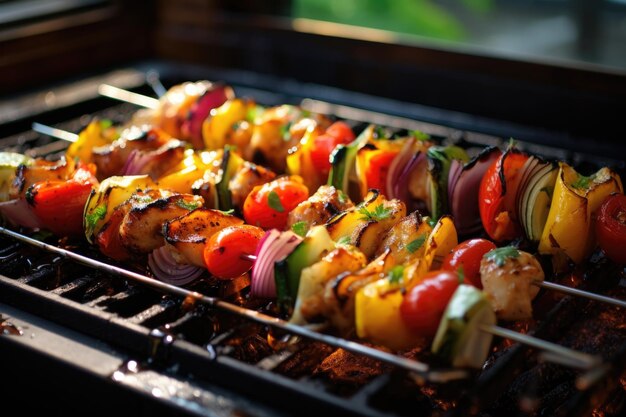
<point x="400" y="171"/>
<point x="18" y="212"/>
<point x="463" y="185"/>
<point x="273" y="247"/>
<point x="166" y="269"/>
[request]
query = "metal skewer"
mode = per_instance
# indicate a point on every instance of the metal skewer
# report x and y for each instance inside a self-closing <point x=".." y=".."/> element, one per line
<point x="152" y="78"/>
<point x="128" y="96"/>
<point x="555" y="352"/>
<point x="54" y="132"/>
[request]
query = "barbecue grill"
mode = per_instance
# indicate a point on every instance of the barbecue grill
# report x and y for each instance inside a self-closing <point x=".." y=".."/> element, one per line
<point x="78" y="337"/>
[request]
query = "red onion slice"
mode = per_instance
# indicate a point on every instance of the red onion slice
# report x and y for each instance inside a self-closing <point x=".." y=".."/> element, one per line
<point x="166" y="269"/>
<point x="19" y="213"/>
<point x="464" y="192"/>
<point x="273" y="247"/>
<point x="456" y="168"/>
<point x="215" y="96"/>
<point x="397" y="165"/>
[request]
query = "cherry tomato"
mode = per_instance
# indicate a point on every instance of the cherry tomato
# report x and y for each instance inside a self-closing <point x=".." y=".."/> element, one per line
<point x="225" y="251"/>
<point x="377" y="169"/>
<point x="423" y="305"/>
<point x="59" y="204"/>
<point x="467" y="255"/>
<point x="611" y="227"/>
<point x="268" y="205"/>
<point x="338" y="133"/>
<point x="496" y="196"/>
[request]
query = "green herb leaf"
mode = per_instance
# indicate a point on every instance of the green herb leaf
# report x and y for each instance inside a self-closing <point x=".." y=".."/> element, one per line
<point x="188" y="205"/>
<point x="300" y="228"/>
<point x="285" y="131"/>
<point x="345" y="240"/>
<point x="500" y="255"/>
<point x="461" y="273"/>
<point x="274" y="202"/>
<point x="254" y="113"/>
<point x="419" y="135"/>
<point x="395" y="275"/>
<point x="380" y="133"/>
<point x="379" y="213"/>
<point x="105" y="124"/>
<point x="583" y="182"/>
<point x="437" y="152"/>
<point x="414" y="245"/>
<point x="95" y="216"/>
<point x="431" y="222"/>
<point x="228" y="212"/>
<point x="343" y="198"/>
<point x="143" y="198"/>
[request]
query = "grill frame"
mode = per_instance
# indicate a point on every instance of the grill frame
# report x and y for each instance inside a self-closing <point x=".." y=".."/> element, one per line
<point x="187" y="356"/>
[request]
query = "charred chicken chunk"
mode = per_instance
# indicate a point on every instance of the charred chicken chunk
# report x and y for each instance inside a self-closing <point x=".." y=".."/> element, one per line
<point x="507" y="275"/>
<point x="320" y="207"/>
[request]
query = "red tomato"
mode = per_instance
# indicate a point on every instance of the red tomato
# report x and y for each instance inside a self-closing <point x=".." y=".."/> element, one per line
<point x="339" y="133"/>
<point x="225" y="251"/>
<point x="268" y="205"/>
<point x="496" y="196"/>
<point x="611" y="227"/>
<point x="424" y="304"/>
<point x="377" y="169"/>
<point x="108" y="238"/>
<point x="59" y="204"/>
<point x="467" y="255"/>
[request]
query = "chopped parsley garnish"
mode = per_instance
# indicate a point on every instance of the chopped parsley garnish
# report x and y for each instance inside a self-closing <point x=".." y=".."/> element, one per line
<point x="228" y="212"/>
<point x="583" y="182"/>
<point x="414" y="245"/>
<point x="285" y="132"/>
<point x="419" y="135"/>
<point x="500" y="255"/>
<point x="461" y="273"/>
<point x="300" y="228"/>
<point x="188" y="205"/>
<point x="95" y="216"/>
<point x="345" y="240"/>
<point x="437" y="152"/>
<point x="379" y="213"/>
<point x="431" y="221"/>
<point x="274" y="202"/>
<point x="143" y="198"/>
<point x="395" y="275"/>
<point x="342" y="197"/>
<point x="105" y="124"/>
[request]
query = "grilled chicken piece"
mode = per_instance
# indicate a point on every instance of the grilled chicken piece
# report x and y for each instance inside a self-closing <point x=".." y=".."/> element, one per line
<point x="310" y="302"/>
<point x="339" y="293"/>
<point x="508" y="281"/>
<point x="189" y="232"/>
<point x="320" y="207"/>
<point x="111" y="159"/>
<point x="249" y="176"/>
<point x="279" y="130"/>
<point x="407" y="231"/>
<point x="155" y="162"/>
<point x="141" y="230"/>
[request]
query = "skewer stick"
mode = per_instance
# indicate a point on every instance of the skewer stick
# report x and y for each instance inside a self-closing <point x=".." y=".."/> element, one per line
<point x="580" y="293"/>
<point x="552" y="351"/>
<point x="128" y="96"/>
<point x="152" y="78"/>
<point x="72" y="137"/>
<point x="54" y="132"/>
<point x="558" y="353"/>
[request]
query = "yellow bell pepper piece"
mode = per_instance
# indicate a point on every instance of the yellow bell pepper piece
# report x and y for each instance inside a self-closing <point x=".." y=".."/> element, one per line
<point x="191" y="169"/>
<point x="111" y="192"/>
<point x="216" y="127"/>
<point x="569" y="229"/>
<point x="377" y="316"/>
<point x="300" y="163"/>
<point x="97" y="133"/>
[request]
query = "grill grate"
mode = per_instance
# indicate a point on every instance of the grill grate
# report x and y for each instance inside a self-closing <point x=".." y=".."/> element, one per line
<point x="176" y="333"/>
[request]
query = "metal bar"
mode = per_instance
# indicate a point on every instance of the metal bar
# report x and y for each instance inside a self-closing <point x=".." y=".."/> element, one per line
<point x="580" y="293"/>
<point x="420" y="368"/>
<point x="555" y="352"/>
<point x="152" y="78"/>
<point x="54" y="132"/>
<point x="128" y="96"/>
